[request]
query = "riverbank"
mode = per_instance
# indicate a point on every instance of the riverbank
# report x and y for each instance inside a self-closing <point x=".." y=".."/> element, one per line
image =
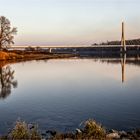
<point x="24" y="56"/>
<point x="39" y="53"/>
<point x="90" y="130"/>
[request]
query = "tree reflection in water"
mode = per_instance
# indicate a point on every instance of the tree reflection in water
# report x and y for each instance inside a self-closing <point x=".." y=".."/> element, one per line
<point x="7" y="81"/>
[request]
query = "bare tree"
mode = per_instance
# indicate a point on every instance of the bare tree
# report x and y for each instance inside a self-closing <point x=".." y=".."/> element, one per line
<point x="6" y="33"/>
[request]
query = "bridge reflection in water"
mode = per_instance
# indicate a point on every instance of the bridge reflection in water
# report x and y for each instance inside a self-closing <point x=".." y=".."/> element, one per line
<point x="7" y="80"/>
<point x="123" y="61"/>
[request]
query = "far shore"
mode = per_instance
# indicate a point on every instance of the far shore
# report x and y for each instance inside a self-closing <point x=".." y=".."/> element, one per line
<point x="11" y="55"/>
<point x="17" y="56"/>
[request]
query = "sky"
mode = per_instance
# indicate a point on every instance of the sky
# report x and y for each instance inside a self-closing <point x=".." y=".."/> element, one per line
<point x="71" y="22"/>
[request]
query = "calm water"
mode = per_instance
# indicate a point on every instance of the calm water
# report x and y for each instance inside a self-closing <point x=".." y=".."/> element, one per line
<point x="60" y="94"/>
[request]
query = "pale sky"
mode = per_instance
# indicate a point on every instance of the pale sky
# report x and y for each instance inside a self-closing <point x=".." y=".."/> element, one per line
<point x="71" y="22"/>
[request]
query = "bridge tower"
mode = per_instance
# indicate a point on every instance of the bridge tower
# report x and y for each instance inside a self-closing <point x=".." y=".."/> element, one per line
<point x="123" y="42"/>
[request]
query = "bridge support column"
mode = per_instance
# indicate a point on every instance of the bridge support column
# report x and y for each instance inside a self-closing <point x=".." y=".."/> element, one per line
<point x="50" y="50"/>
<point x="123" y="42"/>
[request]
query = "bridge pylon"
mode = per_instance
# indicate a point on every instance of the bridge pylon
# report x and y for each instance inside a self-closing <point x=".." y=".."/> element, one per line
<point x="123" y="42"/>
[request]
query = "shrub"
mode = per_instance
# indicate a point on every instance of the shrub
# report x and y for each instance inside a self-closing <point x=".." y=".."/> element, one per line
<point x="21" y="131"/>
<point x="93" y="130"/>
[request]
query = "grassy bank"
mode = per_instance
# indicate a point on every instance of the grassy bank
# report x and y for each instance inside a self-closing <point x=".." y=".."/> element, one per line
<point x="23" y="56"/>
<point x="25" y="131"/>
<point x="9" y="56"/>
<point x="91" y="131"/>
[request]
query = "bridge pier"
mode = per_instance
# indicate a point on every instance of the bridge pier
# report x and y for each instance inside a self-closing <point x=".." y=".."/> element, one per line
<point x="123" y="42"/>
<point x="50" y="50"/>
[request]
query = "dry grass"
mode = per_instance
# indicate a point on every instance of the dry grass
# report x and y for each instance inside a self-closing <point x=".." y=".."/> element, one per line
<point x="9" y="56"/>
<point x="91" y="131"/>
<point x="21" y="131"/>
<point x="23" y="56"/>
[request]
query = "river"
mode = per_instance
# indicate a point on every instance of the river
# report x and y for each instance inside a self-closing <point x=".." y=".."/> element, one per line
<point x="61" y="94"/>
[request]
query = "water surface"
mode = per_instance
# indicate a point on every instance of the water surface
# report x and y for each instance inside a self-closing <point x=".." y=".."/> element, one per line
<point x="60" y="94"/>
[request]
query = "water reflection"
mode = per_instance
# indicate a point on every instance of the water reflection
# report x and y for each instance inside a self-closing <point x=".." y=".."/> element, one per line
<point x="7" y="81"/>
<point x="64" y="92"/>
<point x="123" y="62"/>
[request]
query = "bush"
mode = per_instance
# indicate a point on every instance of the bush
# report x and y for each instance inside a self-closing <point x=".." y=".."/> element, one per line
<point x="93" y="130"/>
<point x="21" y="131"/>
